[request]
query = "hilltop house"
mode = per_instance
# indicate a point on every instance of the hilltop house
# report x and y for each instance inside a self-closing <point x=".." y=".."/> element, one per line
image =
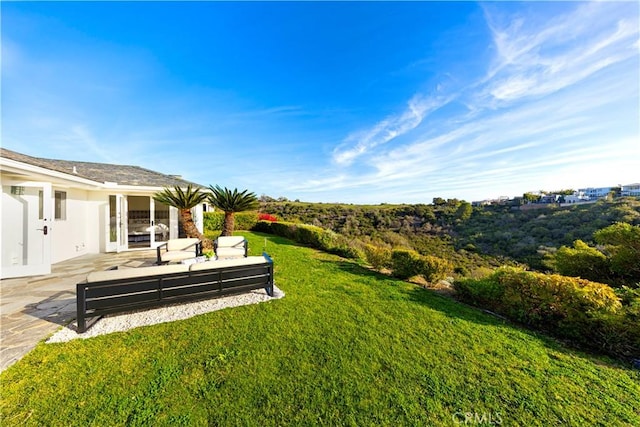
<point x="632" y="190"/>
<point x="595" y="193"/>
<point x="54" y="210"/>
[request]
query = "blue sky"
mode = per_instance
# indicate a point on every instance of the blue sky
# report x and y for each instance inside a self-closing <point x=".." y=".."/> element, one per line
<point x="352" y="102"/>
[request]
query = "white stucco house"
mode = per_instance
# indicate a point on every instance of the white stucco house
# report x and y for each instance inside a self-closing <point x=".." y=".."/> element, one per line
<point x="54" y="210"/>
<point x="630" y="190"/>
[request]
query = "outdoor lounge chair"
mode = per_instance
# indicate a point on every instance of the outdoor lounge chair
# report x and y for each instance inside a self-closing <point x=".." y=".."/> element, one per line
<point x="178" y="250"/>
<point x="230" y="247"/>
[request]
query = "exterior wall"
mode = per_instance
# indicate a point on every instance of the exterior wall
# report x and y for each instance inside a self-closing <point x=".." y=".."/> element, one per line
<point x="97" y="226"/>
<point x="70" y="237"/>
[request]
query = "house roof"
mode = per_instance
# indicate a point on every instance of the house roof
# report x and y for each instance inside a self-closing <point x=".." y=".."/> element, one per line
<point x="101" y="172"/>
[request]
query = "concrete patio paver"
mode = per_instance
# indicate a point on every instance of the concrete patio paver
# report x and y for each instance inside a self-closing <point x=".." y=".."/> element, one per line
<point x="32" y="308"/>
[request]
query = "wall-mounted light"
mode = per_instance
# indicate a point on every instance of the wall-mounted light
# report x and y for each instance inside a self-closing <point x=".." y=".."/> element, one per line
<point x="17" y="190"/>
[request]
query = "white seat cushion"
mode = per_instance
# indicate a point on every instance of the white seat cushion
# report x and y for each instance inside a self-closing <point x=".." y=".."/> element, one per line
<point x="125" y="273"/>
<point x="182" y="244"/>
<point x="231" y="241"/>
<point x="230" y="252"/>
<point x="228" y="263"/>
<point x="177" y="255"/>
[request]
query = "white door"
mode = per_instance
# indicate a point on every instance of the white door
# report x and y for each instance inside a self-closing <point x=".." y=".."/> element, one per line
<point x="26" y="228"/>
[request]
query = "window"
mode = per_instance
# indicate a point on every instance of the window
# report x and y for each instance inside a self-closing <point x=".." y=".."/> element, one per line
<point x="113" y="225"/>
<point x="40" y="204"/>
<point x="61" y="205"/>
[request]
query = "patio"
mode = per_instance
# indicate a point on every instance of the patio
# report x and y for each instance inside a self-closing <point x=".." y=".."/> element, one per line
<point x="32" y="308"/>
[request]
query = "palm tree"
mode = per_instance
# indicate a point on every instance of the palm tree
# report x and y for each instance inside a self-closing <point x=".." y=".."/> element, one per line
<point x="231" y="202"/>
<point x="184" y="200"/>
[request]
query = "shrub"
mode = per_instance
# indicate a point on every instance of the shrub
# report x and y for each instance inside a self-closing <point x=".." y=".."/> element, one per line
<point x="622" y="242"/>
<point x="266" y="217"/>
<point x="588" y="313"/>
<point x="434" y="268"/>
<point x="405" y="263"/>
<point x="378" y="257"/>
<point x="480" y="292"/>
<point x="580" y="261"/>
<point x="214" y="221"/>
<point x="540" y="298"/>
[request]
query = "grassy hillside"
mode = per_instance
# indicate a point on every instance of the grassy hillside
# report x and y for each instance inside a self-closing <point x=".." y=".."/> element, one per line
<point x="346" y="346"/>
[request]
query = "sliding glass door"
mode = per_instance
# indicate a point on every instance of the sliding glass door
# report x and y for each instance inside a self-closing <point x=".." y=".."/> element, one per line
<point x="138" y="222"/>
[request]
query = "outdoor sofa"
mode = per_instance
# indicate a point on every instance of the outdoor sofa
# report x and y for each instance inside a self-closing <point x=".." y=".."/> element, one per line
<point x="117" y="291"/>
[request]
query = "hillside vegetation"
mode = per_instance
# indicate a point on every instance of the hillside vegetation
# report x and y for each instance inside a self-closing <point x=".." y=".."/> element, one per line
<point x="472" y="236"/>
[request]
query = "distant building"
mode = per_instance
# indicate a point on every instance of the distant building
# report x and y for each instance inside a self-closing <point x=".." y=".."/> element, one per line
<point x="596" y="193"/>
<point x="549" y="198"/>
<point x="630" y="190"/>
<point x="499" y="201"/>
<point x="576" y="197"/>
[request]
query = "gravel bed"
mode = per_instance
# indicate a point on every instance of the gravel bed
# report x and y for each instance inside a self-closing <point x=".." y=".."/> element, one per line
<point x="125" y="321"/>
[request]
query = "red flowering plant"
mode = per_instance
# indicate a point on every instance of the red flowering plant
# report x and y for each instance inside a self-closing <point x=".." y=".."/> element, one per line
<point x="267" y="217"/>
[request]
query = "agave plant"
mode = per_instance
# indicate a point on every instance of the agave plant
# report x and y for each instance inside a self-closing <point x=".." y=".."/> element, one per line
<point x="231" y="202"/>
<point x="184" y="201"/>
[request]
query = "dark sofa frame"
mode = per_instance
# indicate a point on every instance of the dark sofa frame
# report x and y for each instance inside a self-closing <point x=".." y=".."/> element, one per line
<point x="99" y="298"/>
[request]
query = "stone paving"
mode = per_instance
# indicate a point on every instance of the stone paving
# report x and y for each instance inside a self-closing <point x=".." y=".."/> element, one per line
<point x="32" y="308"/>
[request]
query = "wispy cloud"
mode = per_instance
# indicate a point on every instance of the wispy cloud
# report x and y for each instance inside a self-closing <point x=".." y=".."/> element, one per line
<point x="557" y="92"/>
<point x="361" y="142"/>
<point x="572" y="47"/>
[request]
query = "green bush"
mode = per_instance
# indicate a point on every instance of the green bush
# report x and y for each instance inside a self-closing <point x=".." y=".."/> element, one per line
<point x="588" y="313"/>
<point x="483" y="292"/>
<point x="434" y="268"/>
<point x="622" y="243"/>
<point x="580" y="261"/>
<point x="405" y="263"/>
<point x="213" y="221"/>
<point x="377" y="256"/>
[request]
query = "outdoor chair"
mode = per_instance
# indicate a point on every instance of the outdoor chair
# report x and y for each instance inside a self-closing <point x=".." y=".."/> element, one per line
<point x="230" y="247"/>
<point x="178" y="250"/>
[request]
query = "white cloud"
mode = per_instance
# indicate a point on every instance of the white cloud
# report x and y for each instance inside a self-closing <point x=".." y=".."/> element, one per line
<point x="359" y="143"/>
<point x="538" y="61"/>
<point x="559" y="99"/>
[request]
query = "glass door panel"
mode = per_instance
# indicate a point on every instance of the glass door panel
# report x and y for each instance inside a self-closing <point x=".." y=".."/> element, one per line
<point x="161" y="222"/>
<point x="139" y="222"/>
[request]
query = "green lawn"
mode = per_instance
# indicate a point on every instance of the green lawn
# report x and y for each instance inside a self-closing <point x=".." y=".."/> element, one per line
<point x="346" y="346"/>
